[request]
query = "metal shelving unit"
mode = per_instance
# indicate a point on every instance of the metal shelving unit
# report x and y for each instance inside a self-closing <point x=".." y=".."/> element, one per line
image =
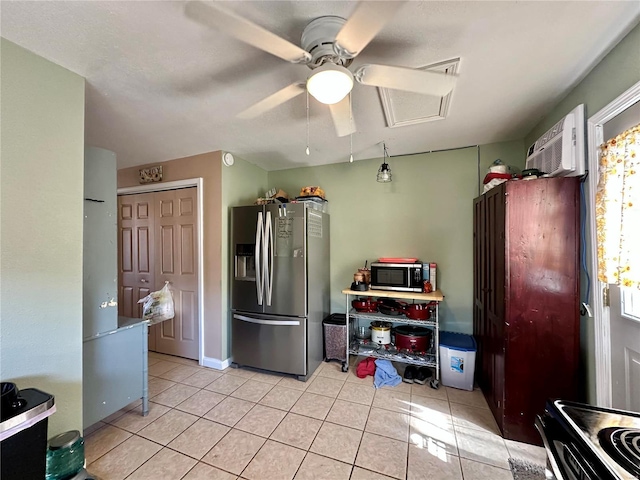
<point x="427" y="359"/>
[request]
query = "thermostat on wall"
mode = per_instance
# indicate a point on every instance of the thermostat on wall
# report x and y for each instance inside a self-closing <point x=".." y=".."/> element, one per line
<point x="227" y="159"/>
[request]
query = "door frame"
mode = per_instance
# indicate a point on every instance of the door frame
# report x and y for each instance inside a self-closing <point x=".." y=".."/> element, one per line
<point x="602" y="327"/>
<point x="189" y="182"/>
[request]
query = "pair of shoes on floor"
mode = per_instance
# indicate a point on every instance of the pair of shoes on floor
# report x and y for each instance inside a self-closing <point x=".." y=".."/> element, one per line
<point x="418" y="375"/>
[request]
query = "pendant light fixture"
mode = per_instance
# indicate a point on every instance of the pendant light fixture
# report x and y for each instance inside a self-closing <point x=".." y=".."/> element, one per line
<point x="384" y="172"/>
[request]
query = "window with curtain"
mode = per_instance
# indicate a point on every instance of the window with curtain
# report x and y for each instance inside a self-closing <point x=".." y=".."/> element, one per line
<point x="618" y="210"/>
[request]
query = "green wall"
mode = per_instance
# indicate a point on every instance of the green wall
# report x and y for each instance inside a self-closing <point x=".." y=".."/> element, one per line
<point x="616" y="73"/>
<point x="242" y="183"/>
<point x="425" y="212"/>
<point x="511" y="153"/>
<point x="42" y="150"/>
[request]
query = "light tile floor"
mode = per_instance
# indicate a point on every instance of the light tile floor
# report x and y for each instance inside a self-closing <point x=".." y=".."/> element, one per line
<point x="206" y="424"/>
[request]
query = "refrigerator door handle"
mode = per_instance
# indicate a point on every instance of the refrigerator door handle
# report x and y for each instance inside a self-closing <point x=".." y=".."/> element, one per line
<point x="265" y="322"/>
<point x="268" y="259"/>
<point x="259" y="248"/>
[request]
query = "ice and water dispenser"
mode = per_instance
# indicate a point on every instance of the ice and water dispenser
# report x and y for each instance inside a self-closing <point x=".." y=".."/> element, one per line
<point x="245" y="262"/>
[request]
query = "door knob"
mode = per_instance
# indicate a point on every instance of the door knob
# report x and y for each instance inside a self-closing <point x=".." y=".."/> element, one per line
<point x="144" y="280"/>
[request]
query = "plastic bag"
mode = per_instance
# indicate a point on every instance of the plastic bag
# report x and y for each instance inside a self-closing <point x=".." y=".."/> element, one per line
<point x="158" y="306"/>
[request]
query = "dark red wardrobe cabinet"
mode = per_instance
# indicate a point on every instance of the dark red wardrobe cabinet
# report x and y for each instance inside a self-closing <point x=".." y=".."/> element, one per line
<point x="526" y="299"/>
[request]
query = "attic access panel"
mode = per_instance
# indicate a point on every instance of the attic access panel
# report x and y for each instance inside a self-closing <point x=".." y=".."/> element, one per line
<point x="408" y="108"/>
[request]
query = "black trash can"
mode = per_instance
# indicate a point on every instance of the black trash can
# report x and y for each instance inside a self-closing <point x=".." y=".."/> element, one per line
<point x="335" y="338"/>
<point x="24" y="416"/>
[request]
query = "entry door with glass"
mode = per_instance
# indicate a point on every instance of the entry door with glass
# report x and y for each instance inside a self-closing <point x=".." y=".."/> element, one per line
<point x="624" y="311"/>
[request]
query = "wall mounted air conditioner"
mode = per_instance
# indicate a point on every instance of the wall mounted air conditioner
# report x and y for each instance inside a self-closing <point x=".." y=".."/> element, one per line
<point x="561" y="151"/>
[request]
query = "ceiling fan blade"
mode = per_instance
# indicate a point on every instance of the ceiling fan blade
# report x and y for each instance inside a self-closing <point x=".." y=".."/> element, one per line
<point x="342" y="117"/>
<point x="272" y="101"/>
<point x="214" y="16"/>
<point x="364" y="24"/>
<point x="407" y="79"/>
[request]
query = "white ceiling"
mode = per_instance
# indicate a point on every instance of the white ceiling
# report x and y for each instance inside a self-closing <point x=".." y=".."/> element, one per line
<point x="160" y="86"/>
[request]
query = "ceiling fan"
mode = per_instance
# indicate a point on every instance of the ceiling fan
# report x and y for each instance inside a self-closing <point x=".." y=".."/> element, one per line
<point x="328" y="46"/>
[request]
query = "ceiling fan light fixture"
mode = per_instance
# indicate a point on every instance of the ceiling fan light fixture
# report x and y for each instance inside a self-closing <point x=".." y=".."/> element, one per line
<point x="330" y="83"/>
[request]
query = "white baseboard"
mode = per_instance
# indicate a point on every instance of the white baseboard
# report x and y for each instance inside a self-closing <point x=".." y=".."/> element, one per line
<point x="215" y="363"/>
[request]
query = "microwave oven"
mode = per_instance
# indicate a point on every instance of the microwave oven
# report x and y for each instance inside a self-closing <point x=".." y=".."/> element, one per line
<point x="400" y="277"/>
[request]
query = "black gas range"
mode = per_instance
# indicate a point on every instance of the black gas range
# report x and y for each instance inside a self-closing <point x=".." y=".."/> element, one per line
<point x="584" y="442"/>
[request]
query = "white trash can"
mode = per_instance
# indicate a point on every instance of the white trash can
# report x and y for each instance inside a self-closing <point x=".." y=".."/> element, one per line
<point x="457" y="360"/>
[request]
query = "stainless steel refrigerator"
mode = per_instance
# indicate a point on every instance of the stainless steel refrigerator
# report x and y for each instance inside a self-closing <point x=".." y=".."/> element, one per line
<point x="279" y="287"/>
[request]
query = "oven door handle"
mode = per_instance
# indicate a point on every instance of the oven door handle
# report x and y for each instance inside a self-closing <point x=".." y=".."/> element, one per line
<point x="551" y="456"/>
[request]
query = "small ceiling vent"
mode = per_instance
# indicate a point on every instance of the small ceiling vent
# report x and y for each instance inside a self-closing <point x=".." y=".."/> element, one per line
<point x="407" y="108"/>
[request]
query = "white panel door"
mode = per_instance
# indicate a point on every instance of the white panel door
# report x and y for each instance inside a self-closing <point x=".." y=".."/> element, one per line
<point x="176" y="261"/>
<point x="157" y="242"/>
<point x="135" y="252"/>
<point x="136" y="259"/>
<point x="624" y="313"/>
<point x="625" y="348"/>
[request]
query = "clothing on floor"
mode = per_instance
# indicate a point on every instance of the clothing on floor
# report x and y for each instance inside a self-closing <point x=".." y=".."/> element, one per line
<point x="386" y="374"/>
<point x="366" y="367"/>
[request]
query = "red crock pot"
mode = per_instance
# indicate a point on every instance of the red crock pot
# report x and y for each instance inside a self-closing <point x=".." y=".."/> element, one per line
<point x="411" y="337"/>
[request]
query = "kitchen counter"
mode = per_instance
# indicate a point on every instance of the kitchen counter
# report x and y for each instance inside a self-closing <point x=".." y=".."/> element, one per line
<point x="116" y="364"/>
<point x="125" y="322"/>
<point x="117" y="360"/>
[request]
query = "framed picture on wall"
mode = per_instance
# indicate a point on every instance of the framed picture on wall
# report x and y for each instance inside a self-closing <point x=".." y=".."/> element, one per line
<point x="151" y="174"/>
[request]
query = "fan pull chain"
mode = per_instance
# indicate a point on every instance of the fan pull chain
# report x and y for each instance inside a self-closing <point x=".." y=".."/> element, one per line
<point x="351" y="130"/>
<point x="307" y="150"/>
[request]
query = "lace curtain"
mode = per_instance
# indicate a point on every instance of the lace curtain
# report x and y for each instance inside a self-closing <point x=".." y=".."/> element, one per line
<point x="618" y="210"/>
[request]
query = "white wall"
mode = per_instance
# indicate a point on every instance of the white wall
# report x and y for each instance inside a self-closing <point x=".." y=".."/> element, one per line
<point x="41" y="192"/>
